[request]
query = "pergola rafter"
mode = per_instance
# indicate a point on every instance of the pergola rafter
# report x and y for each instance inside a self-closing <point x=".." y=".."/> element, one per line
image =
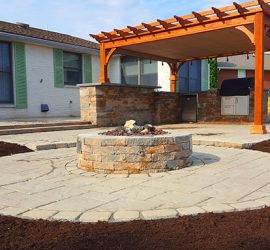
<point x="200" y="17"/>
<point x="233" y="30"/>
<point x="220" y="14"/>
<point x="211" y="15"/>
<point x="242" y="10"/>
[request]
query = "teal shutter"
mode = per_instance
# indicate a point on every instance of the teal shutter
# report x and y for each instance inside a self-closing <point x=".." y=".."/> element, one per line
<point x="87" y="68"/>
<point x="58" y="65"/>
<point x="205" y="75"/>
<point x="20" y="75"/>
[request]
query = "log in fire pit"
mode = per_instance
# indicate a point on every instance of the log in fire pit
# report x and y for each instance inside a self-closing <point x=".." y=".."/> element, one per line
<point x="134" y="149"/>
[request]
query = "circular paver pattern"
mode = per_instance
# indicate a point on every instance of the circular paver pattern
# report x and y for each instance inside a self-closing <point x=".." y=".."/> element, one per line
<point x="49" y="185"/>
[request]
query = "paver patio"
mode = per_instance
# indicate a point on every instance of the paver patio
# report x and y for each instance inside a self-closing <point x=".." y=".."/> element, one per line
<point x="48" y="184"/>
<point x="221" y="135"/>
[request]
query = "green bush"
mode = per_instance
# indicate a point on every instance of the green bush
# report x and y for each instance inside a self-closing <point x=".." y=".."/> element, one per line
<point x="213" y="73"/>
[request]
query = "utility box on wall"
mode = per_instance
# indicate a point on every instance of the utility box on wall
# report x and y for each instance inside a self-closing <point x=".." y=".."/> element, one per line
<point x="235" y="105"/>
<point x="235" y="95"/>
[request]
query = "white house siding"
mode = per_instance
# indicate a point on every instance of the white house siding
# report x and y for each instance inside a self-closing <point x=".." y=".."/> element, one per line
<point x="63" y="102"/>
<point x="164" y="77"/>
<point x="40" y="88"/>
<point x="114" y="71"/>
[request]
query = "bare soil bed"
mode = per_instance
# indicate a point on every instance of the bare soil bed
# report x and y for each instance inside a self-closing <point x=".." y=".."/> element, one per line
<point x="262" y="146"/>
<point x="242" y="230"/>
<point x="239" y="230"/>
<point x="12" y="148"/>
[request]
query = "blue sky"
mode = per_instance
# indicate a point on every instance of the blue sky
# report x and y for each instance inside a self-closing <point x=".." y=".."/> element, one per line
<point x="81" y="17"/>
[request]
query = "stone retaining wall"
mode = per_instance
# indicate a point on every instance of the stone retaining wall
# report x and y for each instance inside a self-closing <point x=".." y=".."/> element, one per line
<point x="209" y="108"/>
<point x="112" y="105"/>
<point x="138" y="154"/>
<point x="109" y="105"/>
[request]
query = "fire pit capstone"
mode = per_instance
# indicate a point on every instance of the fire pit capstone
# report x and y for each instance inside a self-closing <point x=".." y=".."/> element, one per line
<point x="132" y="154"/>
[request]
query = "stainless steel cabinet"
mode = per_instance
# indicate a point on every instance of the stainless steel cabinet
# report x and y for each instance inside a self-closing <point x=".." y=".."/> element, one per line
<point x="234" y="105"/>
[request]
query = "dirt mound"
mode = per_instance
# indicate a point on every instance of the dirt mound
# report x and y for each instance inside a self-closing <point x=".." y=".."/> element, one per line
<point x="12" y="148"/>
<point x="263" y="146"/>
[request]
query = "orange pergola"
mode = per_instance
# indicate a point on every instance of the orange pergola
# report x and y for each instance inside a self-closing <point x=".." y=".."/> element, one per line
<point x="233" y="30"/>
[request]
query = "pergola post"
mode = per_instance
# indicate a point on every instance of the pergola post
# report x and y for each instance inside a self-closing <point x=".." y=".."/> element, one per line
<point x="103" y="65"/>
<point x="173" y="77"/>
<point x="258" y="127"/>
<point x="174" y="74"/>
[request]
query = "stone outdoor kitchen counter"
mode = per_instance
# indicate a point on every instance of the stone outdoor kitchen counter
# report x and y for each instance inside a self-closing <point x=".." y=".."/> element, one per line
<point x="134" y="154"/>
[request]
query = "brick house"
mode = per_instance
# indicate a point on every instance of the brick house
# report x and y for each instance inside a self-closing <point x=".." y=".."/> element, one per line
<point x="43" y="67"/>
<point x="241" y="66"/>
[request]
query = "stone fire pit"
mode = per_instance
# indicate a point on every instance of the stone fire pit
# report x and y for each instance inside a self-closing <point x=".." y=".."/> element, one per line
<point x="134" y="154"/>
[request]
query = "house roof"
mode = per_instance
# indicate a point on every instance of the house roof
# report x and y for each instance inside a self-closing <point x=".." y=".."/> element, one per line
<point x="28" y="31"/>
<point x="242" y="62"/>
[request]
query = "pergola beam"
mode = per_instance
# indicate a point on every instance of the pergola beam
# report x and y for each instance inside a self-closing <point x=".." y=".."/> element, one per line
<point x="150" y="37"/>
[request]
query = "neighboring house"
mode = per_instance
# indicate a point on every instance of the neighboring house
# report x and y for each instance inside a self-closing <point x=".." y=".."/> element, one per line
<point x="193" y="76"/>
<point x="42" y="67"/>
<point x="242" y="66"/>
